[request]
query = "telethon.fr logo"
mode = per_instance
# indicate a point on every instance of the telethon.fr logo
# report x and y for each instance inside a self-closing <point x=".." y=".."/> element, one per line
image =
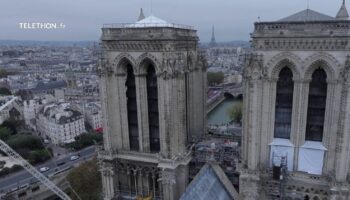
<point x="41" y="25"/>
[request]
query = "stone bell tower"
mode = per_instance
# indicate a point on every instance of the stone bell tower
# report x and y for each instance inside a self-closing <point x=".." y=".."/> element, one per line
<point x="153" y="90"/>
<point x="296" y="129"/>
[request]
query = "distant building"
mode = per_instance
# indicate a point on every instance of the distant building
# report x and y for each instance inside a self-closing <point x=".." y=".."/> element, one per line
<point x="59" y="94"/>
<point x="48" y="88"/>
<point x="31" y="109"/>
<point x="234" y="78"/>
<point x="10" y="107"/>
<point x="93" y="115"/>
<point x="60" y="123"/>
<point x="213" y="40"/>
<point x="141" y="16"/>
<point x="71" y="79"/>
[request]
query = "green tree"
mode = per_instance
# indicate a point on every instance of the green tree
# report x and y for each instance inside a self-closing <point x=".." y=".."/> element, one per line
<point x="38" y="156"/>
<point x="13" y="124"/>
<point x="86" y="181"/>
<point x="215" y="78"/>
<point x="86" y="140"/>
<point x="25" y="141"/>
<point x="235" y="112"/>
<point x="5" y="133"/>
<point x="5" y="91"/>
<point x="4" y="73"/>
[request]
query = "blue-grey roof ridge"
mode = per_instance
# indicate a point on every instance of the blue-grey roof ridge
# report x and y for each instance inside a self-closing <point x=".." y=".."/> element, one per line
<point x="210" y="183"/>
<point x="307" y="15"/>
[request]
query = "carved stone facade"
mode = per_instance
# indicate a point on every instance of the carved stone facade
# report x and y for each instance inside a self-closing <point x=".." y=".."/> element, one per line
<point x="153" y="90"/>
<point x="306" y="48"/>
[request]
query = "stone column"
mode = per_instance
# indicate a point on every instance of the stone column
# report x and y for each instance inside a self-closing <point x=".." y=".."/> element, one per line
<point x="104" y="185"/>
<point x="339" y="191"/>
<point x="168" y="181"/>
<point x="104" y="100"/>
<point x="245" y="121"/>
<point x="268" y="110"/>
<point x="140" y="182"/>
<point x="163" y="113"/>
<point x="301" y="88"/>
<point x="249" y="186"/>
<point x="334" y="104"/>
<point x="142" y="112"/>
<point x="114" y="118"/>
<point x="295" y="112"/>
<point x="300" y="105"/>
<point x="181" y="112"/>
<point x="254" y="122"/>
<point x="123" y="115"/>
<point x="116" y="124"/>
<point x="108" y="182"/>
<point x="174" y="123"/>
<point x="182" y="177"/>
<point x="343" y="138"/>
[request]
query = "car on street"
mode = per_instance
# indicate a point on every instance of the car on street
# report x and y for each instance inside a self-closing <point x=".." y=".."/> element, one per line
<point x="61" y="163"/>
<point x="75" y="157"/>
<point x="44" y="169"/>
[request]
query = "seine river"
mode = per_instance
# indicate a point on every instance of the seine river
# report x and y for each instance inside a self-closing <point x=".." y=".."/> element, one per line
<point x="219" y="114"/>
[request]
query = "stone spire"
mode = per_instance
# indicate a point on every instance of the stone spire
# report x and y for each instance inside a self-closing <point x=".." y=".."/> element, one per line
<point x="343" y="12"/>
<point x="141" y="16"/>
<point x="213" y="40"/>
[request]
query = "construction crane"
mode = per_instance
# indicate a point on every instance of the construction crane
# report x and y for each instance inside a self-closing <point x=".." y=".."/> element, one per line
<point x="50" y="185"/>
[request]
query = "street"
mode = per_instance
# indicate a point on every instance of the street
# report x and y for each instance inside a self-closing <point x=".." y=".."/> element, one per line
<point x="22" y="177"/>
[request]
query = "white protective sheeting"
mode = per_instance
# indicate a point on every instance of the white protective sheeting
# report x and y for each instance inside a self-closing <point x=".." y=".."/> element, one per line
<point x="151" y="21"/>
<point x="281" y="148"/>
<point x="311" y="156"/>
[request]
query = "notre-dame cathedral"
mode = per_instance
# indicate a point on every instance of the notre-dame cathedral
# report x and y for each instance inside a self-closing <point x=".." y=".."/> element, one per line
<point x="296" y="110"/>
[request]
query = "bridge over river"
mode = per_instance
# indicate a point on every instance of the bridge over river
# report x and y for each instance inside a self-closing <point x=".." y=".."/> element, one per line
<point x="217" y="95"/>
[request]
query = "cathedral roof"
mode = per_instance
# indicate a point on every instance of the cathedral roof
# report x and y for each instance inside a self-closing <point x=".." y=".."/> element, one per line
<point x="343" y="12"/>
<point x="210" y="183"/>
<point x="153" y="21"/>
<point x="307" y="15"/>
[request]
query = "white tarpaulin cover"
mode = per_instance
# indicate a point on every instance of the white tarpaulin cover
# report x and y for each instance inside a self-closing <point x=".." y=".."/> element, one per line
<point x="311" y="156"/>
<point x="152" y="21"/>
<point x="281" y="148"/>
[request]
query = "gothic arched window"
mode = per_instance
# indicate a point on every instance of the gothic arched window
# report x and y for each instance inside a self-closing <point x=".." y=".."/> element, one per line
<point x="153" y="116"/>
<point x="132" y="109"/>
<point x="284" y="104"/>
<point x="316" y="106"/>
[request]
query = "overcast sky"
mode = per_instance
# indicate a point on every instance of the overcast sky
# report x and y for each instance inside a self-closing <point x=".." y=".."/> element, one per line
<point x="233" y="19"/>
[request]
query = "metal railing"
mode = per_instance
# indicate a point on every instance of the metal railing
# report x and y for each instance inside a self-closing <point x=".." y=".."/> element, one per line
<point x="146" y="25"/>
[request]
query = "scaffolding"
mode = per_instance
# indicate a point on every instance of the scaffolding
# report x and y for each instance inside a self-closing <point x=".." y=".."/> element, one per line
<point x="221" y="151"/>
<point x="276" y="186"/>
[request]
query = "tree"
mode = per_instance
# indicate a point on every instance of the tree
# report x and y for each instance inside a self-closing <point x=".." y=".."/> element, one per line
<point x="10" y="125"/>
<point x="86" y="181"/>
<point x="235" y="112"/>
<point x="5" y="133"/>
<point x="38" y="156"/>
<point x="25" y="94"/>
<point x="85" y="140"/>
<point x="5" y="91"/>
<point x="4" y="73"/>
<point x="25" y="141"/>
<point x="215" y="78"/>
